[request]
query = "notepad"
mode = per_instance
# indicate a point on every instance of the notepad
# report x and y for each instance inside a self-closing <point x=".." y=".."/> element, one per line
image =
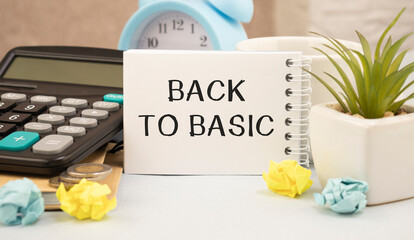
<point x="213" y="112"/>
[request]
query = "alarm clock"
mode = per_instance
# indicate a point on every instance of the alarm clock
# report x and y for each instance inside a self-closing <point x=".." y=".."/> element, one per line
<point x="187" y="24"/>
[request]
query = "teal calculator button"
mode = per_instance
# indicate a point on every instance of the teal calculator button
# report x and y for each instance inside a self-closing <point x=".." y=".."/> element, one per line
<point x="113" y="97"/>
<point x="19" y="141"/>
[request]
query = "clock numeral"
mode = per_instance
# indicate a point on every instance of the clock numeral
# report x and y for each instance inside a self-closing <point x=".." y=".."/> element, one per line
<point x="163" y="27"/>
<point x="152" y="42"/>
<point x="203" y="39"/>
<point x="178" y="24"/>
<point x="192" y="27"/>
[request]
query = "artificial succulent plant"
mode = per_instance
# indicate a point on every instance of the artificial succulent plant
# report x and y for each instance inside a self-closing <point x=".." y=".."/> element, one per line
<point x="379" y="78"/>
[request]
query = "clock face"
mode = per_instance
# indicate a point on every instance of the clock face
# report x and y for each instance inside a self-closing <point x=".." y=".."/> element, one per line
<point x="174" y="30"/>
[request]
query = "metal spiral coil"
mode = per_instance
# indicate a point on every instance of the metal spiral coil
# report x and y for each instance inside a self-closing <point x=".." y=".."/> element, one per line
<point x="303" y="151"/>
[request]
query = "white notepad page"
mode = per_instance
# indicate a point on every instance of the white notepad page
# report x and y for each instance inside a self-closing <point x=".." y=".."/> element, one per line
<point x="210" y="112"/>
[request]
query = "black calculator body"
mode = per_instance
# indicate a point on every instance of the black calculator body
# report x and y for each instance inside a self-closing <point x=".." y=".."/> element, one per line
<point x="57" y="106"/>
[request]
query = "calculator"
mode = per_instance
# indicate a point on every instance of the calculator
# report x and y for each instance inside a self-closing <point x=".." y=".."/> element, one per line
<point x="57" y="105"/>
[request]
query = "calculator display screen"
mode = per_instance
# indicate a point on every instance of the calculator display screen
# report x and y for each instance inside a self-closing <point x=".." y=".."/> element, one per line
<point x="65" y="71"/>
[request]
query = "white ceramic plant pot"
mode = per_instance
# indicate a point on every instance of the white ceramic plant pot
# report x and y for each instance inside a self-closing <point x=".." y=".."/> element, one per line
<point x="378" y="151"/>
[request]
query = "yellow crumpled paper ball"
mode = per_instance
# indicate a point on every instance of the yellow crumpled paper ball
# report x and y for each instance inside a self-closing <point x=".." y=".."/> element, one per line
<point x="86" y="200"/>
<point x="288" y="178"/>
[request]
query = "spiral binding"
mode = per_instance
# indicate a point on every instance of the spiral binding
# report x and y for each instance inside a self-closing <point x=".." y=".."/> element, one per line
<point x="304" y="93"/>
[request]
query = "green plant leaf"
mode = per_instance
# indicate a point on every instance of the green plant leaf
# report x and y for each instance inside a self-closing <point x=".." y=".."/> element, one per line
<point x="347" y="51"/>
<point x="397" y="105"/>
<point x="377" y="50"/>
<point x="341" y="72"/>
<point x="390" y="55"/>
<point x="347" y="55"/>
<point x="331" y="41"/>
<point x="351" y="100"/>
<point x="333" y="92"/>
<point x="403" y="89"/>
<point x="359" y="78"/>
<point x="399" y="93"/>
<point x="395" y="81"/>
<point x="339" y="52"/>
<point x="399" y="84"/>
<point x="376" y="74"/>
<point x="343" y="87"/>
<point x="372" y="102"/>
<point x="353" y="109"/>
<point x="353" y="64"/>
<point x="382" y="107"/>
<point x="366" y="49"/>
<point x="395" y="65"/>
<point x="393" y="85"/>
<point x="367" y="76"/>
<point x="386" y="48"/>
<point x="387" y="85"/>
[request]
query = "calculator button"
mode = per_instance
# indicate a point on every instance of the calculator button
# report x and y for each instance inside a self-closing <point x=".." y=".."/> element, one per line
<point x="94" y="113"/>
<point x="6" y="128"/>
<point x="18" y="141"/>
<point x="6" y="106"/>
<point x="15" y="118"/>
<point x="41" y="99"/>
<point x="108" y="106"/>
<point x="13" y="97"/>
<point x="113" y="97"/>
<point x="31" y="108"/>
<point x="52" y="144"/>
<point x="75" y="102"/>
<point x="51" y="118"/>
<point x="65" y="111"/>
<point x="71" y="131"/>
<point x="83" y="122"/>
<point x="38" y="127"/>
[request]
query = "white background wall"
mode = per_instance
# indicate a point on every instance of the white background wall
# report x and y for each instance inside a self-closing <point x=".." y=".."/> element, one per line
<point x="340" y="19"/>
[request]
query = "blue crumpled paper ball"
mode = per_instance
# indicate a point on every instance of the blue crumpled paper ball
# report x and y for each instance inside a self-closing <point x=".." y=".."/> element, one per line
<point x="344" y="195"/>
<point x="21" y="202"/>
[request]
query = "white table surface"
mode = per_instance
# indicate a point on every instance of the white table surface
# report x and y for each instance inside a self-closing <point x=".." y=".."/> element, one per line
<point x="219" y="207"/>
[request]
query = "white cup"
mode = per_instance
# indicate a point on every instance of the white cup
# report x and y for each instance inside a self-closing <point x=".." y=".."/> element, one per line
<point x="319" y="65"/>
